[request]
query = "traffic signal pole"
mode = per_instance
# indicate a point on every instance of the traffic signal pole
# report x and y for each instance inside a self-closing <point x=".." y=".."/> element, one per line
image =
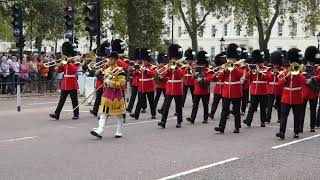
<point x="98" y="23"/>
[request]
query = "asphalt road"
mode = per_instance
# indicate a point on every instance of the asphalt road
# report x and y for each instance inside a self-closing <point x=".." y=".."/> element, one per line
<point x="33" y="147"/>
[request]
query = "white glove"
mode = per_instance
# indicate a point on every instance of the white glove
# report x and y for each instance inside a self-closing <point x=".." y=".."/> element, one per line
<point x="107" y="81"/>
<point x="199" y="79"/>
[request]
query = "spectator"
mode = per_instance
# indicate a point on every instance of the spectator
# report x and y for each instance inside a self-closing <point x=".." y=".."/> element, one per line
<point x="33" y="72"/>
<point x="52" y="74"/>
<point x="15" y="66"/>
<point x="24" y="73"/>
<point x="5" y="68"/>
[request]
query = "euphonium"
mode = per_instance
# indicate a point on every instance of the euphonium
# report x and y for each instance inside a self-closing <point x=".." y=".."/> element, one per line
<point x="230" y="66"/>
<point x="295" y="68"/>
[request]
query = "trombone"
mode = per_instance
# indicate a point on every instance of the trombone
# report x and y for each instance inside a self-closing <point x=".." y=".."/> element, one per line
<point x="94" y="66"/>
<point x="63" y="60"/>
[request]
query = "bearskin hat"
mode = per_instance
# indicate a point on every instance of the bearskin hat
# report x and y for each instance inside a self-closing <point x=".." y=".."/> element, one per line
<point x="312" y="54"/>
<point x="233" y="51"/>
<point x="203" y="57"/>
<point x="266" y="55"/>
<point x="145" y="54"/>
<point x="104" y="49"/>
<point x="189" y="54"/>
<point x="276" y="57"/>
<point x="136" y="54"/>
<point x="257" y="56"/>
<point x="162" y="58"/>
<point x="67" y="49"/>
<point x="118" y="45"/>
<point x="175" y="51"/>
<point x="114" y="54"/>
<point x="295" y="55"/>
<point x="220" y="59"/>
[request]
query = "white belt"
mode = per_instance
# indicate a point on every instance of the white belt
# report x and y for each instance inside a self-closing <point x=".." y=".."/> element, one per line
<point x="188" y="75"/>
<point x="69" y="76"/>
<point x="232" y="83"/>
<point x="174" y="81"/>
<point x="149" y="79"/>
<point x="219" y="83"/>
<point x="293" y="89"/>
<point x="273" y="83"/>
<point x="259" y="82"/>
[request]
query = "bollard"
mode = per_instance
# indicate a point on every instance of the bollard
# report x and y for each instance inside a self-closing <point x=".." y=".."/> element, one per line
<point x="18" y="95"/>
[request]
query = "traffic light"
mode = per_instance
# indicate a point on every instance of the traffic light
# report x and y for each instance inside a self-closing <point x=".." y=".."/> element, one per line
<point x="69" y="21"/>
<point x="92" y="20"/>
<point x="17" y="20"/>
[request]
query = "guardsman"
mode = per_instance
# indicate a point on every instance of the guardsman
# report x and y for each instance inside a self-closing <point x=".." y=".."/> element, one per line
<point x="146" y="86"/>
<point x="245" y="84"/>
<point x="113" y="101"/>
<point x="174" y="86"/>
<point x="160" y="82"/>
<point x="232" y="77"/>
<point x="292" y="97"/>
<point x="258" y="89"/>
<point x="188" y="81"/>
<point x="274" y="90"/>
<point x="69" y="84"/>
<point x="310" y="91"/>
<point x="219" y="60"/>
<point x="203" y="77"/>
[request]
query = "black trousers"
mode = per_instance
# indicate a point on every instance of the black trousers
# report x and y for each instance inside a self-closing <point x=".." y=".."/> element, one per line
<point x="185" y="91"/>
<point x="205" y="102"/>
<point x="255" y="100"/>
<point x="226" y="111"/>
<point x="62" y="100"/>
<point x="142" y="101"/>
<point x="244" y="100"/>
<point x="4" y="81"/>
<point x="215" y="103"/>
<point x="134" y="92"/>
<point x="271" y="99"/>
<point x="318" y="117"/>
<point x="166" y="107"/>
<point x="159" y="91"/>
<point x="285" y="110"/>
<point x="97" y="102"/>
<point x="313" y="113"/>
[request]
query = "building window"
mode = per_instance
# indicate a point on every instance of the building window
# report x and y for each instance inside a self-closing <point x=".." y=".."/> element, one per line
<point x="279" y="49"/>
<point x="280" y="27"/>
<point x="226" y="30"/>
<point x="202" y="11"/>
<point x="294" y="29"/>
<point x="179" y="32"/>
<point x="238" y="32"/>
<point x="213" y="52"/>
<point x="168" y="31"/>
<point x="213" y="31"/>
<point x="201" y="48"/>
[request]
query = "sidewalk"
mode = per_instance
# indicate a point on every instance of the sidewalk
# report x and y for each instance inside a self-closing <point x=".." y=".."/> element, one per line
<point x="12" y="96"/>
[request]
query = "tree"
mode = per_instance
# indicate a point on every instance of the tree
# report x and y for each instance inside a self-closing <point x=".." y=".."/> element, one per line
<point x="193" y="19"/>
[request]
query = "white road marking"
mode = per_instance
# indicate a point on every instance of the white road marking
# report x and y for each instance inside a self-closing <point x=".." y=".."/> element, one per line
<point x="142" y="122"/>
<point x="297" y="141"/>
<point x="72" y="111"/>
<point x="42" y="103"/>
<point x="199" y="168"/>
<point x="19" y="139"/>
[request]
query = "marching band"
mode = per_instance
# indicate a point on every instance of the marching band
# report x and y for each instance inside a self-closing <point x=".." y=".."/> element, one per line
<point x="281" y="81"/>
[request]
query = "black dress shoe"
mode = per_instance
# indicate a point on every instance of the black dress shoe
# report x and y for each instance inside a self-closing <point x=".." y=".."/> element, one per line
<point x="205" y="121"/>
<point x="190" y="120"/>
<point x="178" y="125"/>
<point x="236" y="131"/>
<point x="54" y="116"/>
<point x="134" y="116"/>
<point x="93" y="113"/>
<point x="219" y="129"/>
<point x="93" y="133"/>
<point x="296" y="136"/>
<point x="210" y="115"/>
<point x="143" y="111"/>
<point x="312" y="130"/>
<point x="263" y="124"/>
<point x="280" y="135"/>
<point x="75" y="117"/>
<point x="247" y="123"/>
<point x="162" y="124"/>
<point x="278" y="121"/>
<point x="153" y="117"/>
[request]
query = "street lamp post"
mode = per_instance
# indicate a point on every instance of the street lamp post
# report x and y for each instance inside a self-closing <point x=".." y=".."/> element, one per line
<point x="172" y="21"/>
<point x="222" y="41"/>
<point x="318" y="36"/>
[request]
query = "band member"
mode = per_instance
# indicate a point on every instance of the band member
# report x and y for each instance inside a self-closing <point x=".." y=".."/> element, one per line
<point x="188" y="81"/>
<point x="258" y="88"/>
<point x="310" y="91"/>
<point x="89" y="80"/>
<point x="292" y="97"/>
<point x="203" y="77"/>
<point x="159" y="80"/>
<point x="274" y="90"/>
<point x="219" y="60"/>
<point x="112" y="102"/>
<point x="174" y="76"/>
<point x="146" y="84"/>
<point x="232" y="89"/>
<point x="245" y="84"/>
<point x="103" y="53"/>
<point x="69" y="83"/>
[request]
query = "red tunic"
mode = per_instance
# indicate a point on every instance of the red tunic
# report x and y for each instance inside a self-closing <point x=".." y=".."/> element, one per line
<point x="134" y="76"/>
<point x="146" y="81"/>
<point x="232" y="87"/>
<point x="174" y="84"/>
<point x="162" y="84"/>
<point x="307" y="92"/>
<point x="258" y="83"/>
<point x="218" y="87"/>
<point x="188" y="79"/>
<point x="273" y="84"/>
<point x="69" y="81"/>
<point x="292" y="92"/>
<point x="208" y="77"/>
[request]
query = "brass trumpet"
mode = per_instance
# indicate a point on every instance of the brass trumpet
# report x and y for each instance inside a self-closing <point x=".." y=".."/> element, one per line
<point x="296" y="68"/>
<point x="63" y="60"/>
